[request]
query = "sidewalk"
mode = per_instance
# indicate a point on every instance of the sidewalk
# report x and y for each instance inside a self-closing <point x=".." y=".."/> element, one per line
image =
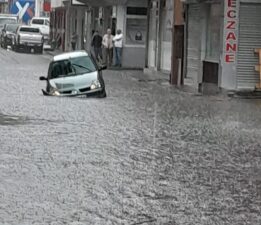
<point x="53" y="52"/>
<point x="144" y="75"/>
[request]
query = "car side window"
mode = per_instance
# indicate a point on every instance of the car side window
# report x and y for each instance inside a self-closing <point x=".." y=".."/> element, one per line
<point x="56" y="70"/>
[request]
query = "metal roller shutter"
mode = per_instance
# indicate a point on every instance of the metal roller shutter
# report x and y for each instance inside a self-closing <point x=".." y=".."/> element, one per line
<point x="249" y="39"/>
<point x="193" y="54"/>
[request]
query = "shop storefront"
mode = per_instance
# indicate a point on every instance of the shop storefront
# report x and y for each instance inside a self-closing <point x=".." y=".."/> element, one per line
<point x="160" y="35"/>
<point x="3" y="6"/>
<point x="131" y="18"/>
<point x="221" y="40"/>
<point x="57" y="28"/>
<point x="249" y="40"/>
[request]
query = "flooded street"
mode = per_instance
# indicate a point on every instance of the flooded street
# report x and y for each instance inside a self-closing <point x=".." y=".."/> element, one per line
<point x="146" y="154"/>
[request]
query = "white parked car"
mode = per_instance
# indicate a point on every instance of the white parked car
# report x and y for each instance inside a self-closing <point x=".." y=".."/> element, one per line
<point x="43" y="23"/>
<point x="28" y="38"/>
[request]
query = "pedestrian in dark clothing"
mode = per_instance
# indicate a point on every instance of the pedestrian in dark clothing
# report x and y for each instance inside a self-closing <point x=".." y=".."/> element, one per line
<point x="74" y="40"/>
<point x="97" y="45"/>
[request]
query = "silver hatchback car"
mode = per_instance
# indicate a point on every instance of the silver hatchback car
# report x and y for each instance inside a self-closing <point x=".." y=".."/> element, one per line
<point x="74" y="73"/>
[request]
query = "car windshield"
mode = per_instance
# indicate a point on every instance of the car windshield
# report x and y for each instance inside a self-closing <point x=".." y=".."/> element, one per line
<point x="71" y="67"/>
<point x="29" y="29"/>
<point x="11" y="27"/>
<point x="38" y="21"/>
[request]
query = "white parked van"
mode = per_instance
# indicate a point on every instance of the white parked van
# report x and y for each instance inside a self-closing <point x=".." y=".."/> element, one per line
<point x="43" y="23"/>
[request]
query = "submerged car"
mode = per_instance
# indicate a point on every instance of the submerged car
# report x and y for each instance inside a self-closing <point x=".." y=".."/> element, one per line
<point x="73" y="74"/>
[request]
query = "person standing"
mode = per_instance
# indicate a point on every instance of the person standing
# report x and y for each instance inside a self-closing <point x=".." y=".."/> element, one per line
<point x="97" y="45"/>
<point x="74" y="40"/>
<point x="118" y="43"/>
<point x="107" y="43"/>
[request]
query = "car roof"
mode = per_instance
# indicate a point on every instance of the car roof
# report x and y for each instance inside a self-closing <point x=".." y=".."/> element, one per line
<point x="41" y="18"/>
<point x="69" y="55"/>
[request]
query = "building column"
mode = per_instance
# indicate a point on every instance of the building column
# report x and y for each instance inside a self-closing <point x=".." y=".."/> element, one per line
<point x="88" y="29"/>
<point x="68" y="29"/>
<point x="121" y="11"/>
<point x="229" y="65"/>
<point x="176" y="77"/>
<point x="79" y="31"/>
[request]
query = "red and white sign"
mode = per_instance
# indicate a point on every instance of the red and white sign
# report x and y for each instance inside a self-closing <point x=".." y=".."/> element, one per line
<point x="230" y="30"/>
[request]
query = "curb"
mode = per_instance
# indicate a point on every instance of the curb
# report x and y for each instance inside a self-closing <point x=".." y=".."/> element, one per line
<point x="124" y="68"/>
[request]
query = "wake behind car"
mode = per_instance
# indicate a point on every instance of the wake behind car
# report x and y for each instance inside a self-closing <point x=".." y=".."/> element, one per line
<point x="7" y="34"/>
<point x="74" y="74"/>
<point x="27" y="38"/>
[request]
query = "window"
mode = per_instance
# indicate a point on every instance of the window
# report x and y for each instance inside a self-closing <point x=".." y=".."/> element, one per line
<point x="137" y="11"/>
<point x="136" y="25"/>
<point x="47" y="22"/>
<point x="38" y="21"/>
<point x="136" y="31"/>
<point x="213" y="32"/>
<point x="29" y="29"/>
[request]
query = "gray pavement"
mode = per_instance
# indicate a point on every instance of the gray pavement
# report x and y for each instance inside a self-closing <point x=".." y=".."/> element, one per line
<point x="147" y="154"/>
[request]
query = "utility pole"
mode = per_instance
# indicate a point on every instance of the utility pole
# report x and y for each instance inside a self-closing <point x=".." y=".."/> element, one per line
<point x="176" y="76"/>
<point x="36" y="9"/>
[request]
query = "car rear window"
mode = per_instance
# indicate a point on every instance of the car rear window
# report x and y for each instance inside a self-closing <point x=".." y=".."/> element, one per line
<point x="38" y="21"/>
<point x="29" y="29"/>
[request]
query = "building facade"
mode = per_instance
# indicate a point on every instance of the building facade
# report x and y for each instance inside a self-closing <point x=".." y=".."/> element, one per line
<point x="147" y="36"/>
<point x="221" y="38"/>
<point x="4" y="6"/>
<point x="67" y="17"/>
<point x="130" y="16"/>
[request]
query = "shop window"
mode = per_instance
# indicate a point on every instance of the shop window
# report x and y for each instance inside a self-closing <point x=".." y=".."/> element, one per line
<point x="213" y="32"/>
<point x="136" y="31"/>
<point x="136" y="26"/>
<point x="141" y="11"/>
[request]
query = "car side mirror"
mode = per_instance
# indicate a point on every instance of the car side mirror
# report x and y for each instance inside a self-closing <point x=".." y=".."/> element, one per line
<point x="42" y="78"/>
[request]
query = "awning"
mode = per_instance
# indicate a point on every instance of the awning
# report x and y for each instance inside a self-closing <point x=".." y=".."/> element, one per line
<point x="98" y="3"/>
<point x="200" y="1"/>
